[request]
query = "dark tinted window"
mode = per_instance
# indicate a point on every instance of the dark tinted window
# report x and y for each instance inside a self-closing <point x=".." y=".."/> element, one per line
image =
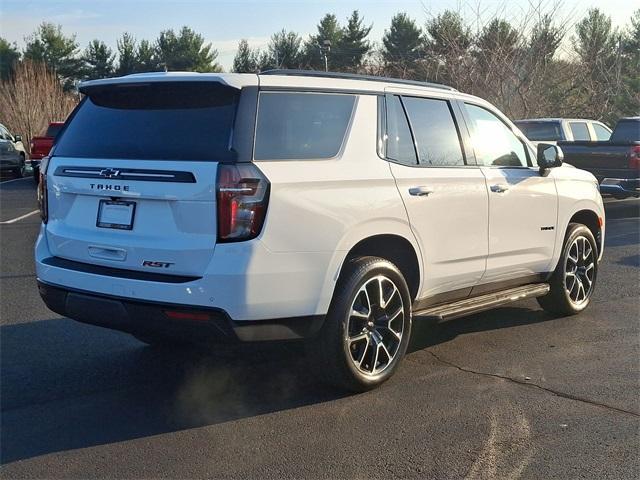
<point x="435" y="132"/>
<point x="301" y="125"/>
<point x="602" y="134"/>
<point x="161" y="121"/>
<point x="399" y="141"/>
<point x="540" y="131"/>
<point x="53" y="130"/>
<point x="493" y="142"/>
<point x="580" y="131"/>
<point x="626" y="131"/>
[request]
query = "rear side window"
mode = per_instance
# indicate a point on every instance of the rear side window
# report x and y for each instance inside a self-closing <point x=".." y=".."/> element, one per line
<point x="435" y="132"/>
<point x="602" y="134"/>
<point x="540" y="131"/>
<point x="399" y="142"/>
<point x="156" y="121"/>
<point x="300" y="126"/>
<point x="580" y="131"/>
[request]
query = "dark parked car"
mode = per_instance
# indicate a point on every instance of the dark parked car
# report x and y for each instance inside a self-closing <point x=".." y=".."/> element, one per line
<point x="615" y="163"/>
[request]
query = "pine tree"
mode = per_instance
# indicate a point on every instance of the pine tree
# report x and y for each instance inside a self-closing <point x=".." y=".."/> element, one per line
<point x="99" y="60"/>
<point x="186" y="51"/>
<point x="127" y="61"/>
<point x="354" y="46"/>
<point x="402" y="45"/>
<point x="60" y="53"/>
<point x="146" y="58"/>
<point x="314" y="48"/>
<point x="9" y="55"/>
<point x="284" y="50"/>
<point x="246" y="59"/>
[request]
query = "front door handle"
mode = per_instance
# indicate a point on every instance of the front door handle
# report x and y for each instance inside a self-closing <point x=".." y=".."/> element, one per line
<point x="421" y="191"/>
<point x="499" y="188"/>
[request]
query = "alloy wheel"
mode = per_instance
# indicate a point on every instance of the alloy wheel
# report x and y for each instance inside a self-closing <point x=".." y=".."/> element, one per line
<point x="375" y="325"/>
<point x="579" y="270"/>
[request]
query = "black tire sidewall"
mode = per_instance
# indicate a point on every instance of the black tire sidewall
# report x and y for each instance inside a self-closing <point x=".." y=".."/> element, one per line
<point x="340" y="313"/>
<point x="575" y="231"/>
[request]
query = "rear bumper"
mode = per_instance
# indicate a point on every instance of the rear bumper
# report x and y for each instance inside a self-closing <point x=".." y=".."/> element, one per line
<point x="621" y="187"/>
<point x="186" y="323"/>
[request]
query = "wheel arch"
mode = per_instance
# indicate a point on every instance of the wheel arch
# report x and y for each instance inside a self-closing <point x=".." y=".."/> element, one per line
<point x="395" y="248"/>
<point x="591" y="220"/>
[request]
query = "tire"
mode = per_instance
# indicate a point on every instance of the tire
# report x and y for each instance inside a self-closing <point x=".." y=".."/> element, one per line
<point x="20" y="171"/>
<point x="574" y="279"/>
<point x="347" y="352"/>
<point x="36" y="175"/>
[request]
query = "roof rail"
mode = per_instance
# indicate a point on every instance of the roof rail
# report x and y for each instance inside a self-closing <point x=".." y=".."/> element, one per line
<point x="353" y="76"/>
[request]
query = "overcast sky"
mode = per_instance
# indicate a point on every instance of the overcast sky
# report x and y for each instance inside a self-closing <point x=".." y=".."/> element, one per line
<point x="224" y="23"/>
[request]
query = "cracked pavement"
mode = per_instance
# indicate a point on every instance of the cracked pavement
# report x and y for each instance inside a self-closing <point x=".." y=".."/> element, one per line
<point x="510" y="393"/>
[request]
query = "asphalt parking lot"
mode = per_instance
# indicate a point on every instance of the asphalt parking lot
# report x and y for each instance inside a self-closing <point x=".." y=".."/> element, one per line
<point x="508" y="393"/>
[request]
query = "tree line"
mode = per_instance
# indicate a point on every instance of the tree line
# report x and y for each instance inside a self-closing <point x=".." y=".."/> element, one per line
<point x="542" y="66"/>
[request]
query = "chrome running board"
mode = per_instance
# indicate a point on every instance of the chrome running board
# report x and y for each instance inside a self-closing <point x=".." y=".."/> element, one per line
<point x="469" y="306"/>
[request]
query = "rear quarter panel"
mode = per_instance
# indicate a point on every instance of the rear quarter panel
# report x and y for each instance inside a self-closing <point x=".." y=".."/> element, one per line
<point x="330" y="205"/>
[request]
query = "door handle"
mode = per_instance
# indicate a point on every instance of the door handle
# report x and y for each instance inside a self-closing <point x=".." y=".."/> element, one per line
<point x="499" y="188"/>
<point x="421" y="191"/>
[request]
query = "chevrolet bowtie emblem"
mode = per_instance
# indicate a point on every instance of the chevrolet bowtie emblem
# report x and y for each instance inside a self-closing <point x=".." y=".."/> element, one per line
<point x="109" y="173"/>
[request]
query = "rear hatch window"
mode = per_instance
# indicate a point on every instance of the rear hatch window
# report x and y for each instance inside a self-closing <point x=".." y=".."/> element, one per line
<point x="154" y="121"/>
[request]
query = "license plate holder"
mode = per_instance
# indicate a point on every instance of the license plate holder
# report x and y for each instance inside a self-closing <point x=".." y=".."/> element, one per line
<point x="118" y="214"/>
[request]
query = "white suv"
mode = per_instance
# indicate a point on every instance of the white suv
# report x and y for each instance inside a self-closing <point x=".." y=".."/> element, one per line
<point x="292" y="205"/>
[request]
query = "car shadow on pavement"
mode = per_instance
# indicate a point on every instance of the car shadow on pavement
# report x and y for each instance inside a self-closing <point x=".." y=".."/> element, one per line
<point x="428" y="331"/>
<point x="67" y="386"/>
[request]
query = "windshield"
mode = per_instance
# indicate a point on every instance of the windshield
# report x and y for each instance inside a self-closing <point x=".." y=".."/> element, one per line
<point x="161" y="121"/>
<point x="538" y="131"/>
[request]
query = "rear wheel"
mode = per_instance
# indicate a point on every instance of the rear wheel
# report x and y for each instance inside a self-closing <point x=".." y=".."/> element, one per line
<point x="368" y="326"/>
<point x="574" y="279"/>
<point x="36" y="174"/>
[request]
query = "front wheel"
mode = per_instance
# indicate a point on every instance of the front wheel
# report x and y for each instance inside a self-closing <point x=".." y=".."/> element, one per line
<point x="367" y="329"/>
<point x="574" y="279"/>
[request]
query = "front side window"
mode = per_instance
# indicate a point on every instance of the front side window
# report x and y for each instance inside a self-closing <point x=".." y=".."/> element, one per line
<point x="580" y="131"/>
<point x="493" y="142"/>
<point x="400" y="146"/>
<point x="435" y="132"/>
<point x="300" y="126"/>
<point x="602" y="134"/>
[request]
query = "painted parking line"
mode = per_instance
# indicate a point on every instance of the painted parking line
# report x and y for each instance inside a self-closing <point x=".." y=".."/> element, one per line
<point x="14" y="180"/>
<point x="14" y="220"/>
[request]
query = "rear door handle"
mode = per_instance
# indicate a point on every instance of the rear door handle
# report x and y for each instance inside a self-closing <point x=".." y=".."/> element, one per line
<point x="499" y="188"/>
<point x="421" y="191"/>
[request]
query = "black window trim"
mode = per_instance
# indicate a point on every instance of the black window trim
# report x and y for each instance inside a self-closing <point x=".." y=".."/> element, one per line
<point x="283" y="90"/>
<point x="468" y="155"/>
<point x="500" y="117"/>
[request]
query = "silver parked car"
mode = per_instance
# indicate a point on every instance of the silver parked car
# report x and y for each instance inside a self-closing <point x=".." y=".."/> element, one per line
<point x="12" y="153"/>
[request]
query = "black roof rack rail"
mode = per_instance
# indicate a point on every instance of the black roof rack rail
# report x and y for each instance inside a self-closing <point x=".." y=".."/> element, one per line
<point x="353" y="76"/>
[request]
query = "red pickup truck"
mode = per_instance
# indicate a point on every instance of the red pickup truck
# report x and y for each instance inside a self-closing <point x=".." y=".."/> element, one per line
<point x="41" y="145"/>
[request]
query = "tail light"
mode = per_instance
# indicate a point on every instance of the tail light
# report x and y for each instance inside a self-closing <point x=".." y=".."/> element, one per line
<point x="243" y="195"/>
<point x="634" y="157"/>
<point x="43" y="203"/>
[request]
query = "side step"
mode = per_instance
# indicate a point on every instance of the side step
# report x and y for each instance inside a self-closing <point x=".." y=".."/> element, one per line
<point x="470" y="306"/>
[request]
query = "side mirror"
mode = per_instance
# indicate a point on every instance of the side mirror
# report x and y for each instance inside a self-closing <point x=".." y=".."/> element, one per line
<point x="549" y="156"/>
<point x="17" y="138"/>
